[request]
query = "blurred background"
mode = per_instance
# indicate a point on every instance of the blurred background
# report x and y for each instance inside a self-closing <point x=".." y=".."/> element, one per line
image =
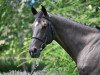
<point x="16" y="31"/>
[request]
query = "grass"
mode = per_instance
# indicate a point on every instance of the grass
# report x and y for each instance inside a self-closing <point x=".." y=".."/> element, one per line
<point x="53" y="59"/>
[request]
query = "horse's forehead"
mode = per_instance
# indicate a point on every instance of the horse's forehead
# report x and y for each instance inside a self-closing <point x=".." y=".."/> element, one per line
<point x="35" y="23"/>
<point x="38" y="18"/>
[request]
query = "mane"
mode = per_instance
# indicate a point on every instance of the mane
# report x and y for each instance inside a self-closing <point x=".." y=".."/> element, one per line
<point x="73" y="21"/>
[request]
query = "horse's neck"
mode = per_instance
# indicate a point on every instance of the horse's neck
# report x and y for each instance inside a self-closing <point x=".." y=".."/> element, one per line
<point x="72" y="36"/>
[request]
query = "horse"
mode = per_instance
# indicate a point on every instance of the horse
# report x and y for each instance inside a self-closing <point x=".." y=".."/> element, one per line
<point x="81" y="42"/>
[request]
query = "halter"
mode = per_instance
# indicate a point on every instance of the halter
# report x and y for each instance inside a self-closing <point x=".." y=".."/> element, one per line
<point x="47" y="36"/>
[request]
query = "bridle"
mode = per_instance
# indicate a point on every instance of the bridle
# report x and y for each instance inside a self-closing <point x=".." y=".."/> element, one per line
<point x="48" y="36"/>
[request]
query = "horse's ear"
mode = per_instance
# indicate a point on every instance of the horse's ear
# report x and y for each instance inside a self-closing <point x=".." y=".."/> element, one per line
<point x="33" y="10"/>
<point x="44" y="10"/>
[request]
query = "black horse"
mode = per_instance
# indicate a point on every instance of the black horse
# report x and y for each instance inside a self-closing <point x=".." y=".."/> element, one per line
<point x="81" y="42"/>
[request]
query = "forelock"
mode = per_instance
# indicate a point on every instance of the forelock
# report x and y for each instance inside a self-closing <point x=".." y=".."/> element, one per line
<point x="39" y="15"/>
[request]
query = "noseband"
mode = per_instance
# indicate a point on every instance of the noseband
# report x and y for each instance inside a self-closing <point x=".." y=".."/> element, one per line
<point x="47" y="36"/>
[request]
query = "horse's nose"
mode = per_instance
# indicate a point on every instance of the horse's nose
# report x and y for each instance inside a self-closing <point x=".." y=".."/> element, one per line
<point x="33" y="52"/>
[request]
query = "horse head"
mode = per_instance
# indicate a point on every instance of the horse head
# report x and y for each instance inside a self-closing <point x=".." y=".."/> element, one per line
<point x="42" y="32"/>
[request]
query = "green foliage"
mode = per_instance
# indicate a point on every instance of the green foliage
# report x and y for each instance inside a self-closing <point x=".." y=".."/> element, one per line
<point x="15" y="31"/>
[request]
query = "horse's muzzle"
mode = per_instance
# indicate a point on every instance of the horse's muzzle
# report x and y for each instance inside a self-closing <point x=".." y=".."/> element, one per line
<point x="34" y="53"/>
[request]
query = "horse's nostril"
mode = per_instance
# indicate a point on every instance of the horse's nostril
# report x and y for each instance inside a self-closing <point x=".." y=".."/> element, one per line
<point x="35" y="50"/>
<point x="32" y="52"/>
